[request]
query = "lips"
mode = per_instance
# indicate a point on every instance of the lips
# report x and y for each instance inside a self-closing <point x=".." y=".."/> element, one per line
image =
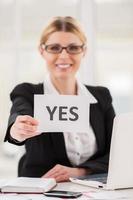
<point x="63" y="65"/>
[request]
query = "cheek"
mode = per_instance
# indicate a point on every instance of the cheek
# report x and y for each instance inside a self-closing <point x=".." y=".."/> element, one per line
<point x="78" y="59"/>
<point x="49" y="59"/>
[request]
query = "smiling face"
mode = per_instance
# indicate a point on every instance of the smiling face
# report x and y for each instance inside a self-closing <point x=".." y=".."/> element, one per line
<point x="62" y="65"/>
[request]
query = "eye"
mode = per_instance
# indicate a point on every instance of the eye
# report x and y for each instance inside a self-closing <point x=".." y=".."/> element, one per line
<point x="74" y="48"/>
<point x="53" y="48"/>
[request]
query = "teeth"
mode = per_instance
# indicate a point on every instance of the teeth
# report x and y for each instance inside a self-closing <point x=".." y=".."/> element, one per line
<point x="63" y="65"/>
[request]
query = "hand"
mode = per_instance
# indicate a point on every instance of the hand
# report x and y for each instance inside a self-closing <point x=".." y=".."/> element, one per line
<point x="24" y="127"/>
<point x="62" y="173"/>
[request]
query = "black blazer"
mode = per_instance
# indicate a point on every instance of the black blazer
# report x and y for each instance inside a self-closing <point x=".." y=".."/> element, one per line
<point x="46" y="150"/>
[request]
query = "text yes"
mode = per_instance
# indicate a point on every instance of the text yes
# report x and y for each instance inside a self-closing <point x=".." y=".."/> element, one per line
<point x="63" y="113"/>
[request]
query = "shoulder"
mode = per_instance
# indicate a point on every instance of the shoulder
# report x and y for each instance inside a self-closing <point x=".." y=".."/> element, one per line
<point x="27" y="89"/>
<point x="102" y="94"/>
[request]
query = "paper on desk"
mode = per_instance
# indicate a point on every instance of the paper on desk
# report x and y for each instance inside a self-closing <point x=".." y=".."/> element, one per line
<point x="39" y="197"/>
<point x="13" y="197"/>
<point x="108" y="195"/>
<point x="87" y="196"/>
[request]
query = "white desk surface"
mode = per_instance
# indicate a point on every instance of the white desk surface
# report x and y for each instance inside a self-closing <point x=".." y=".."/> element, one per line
<point x="88" y="193"/>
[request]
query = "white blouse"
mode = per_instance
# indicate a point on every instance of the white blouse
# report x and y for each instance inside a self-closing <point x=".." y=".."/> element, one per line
<point x="80" y="146"/>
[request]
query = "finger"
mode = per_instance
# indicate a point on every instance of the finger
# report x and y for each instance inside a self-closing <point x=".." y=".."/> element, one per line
<point x="62" y="178"/>
<point x="58" y="170"/>
<point x="25" y="132"/>
<point x="55" y="169"/>
<point x="29" y="136"/>
<point x="27" y="119"/>
<point x="26" y="127"/>
<point x="51" y="173"/>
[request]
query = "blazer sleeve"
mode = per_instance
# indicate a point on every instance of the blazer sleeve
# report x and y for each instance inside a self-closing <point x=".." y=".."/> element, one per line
<point x="22" y="104"/>
<point x="99" y="162"/>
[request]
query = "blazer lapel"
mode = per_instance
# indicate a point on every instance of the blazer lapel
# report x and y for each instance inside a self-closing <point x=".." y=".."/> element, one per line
<point x="59" y="148"/>
<point x="97" y="121"/>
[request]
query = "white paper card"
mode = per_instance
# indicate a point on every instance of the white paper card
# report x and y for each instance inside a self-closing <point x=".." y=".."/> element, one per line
<point x="62" y="113"/>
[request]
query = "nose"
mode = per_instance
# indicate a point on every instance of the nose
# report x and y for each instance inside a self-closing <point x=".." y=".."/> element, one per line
<point x="64" y="54"/>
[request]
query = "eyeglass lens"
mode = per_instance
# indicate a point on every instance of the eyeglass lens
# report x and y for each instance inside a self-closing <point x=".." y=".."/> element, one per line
<point x="56" y="48"/>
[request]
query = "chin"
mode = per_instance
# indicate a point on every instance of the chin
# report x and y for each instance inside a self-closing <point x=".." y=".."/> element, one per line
<point x="64" y="76"/>
<point x="65" y="73"/>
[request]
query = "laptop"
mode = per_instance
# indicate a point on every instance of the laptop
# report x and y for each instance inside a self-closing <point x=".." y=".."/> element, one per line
<point x="120" y="172"/>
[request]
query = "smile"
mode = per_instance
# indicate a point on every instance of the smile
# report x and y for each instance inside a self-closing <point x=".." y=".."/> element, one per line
<point x="63" y="66"/>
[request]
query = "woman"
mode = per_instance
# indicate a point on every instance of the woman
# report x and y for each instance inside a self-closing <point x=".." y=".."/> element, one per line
<point x="61" y="155"/>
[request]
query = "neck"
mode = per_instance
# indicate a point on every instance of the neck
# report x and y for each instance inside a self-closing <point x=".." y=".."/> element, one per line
<point x="65" y="86"/>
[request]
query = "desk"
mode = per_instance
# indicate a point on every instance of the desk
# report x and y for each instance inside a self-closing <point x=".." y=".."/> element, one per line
<point x="90" y="193"/>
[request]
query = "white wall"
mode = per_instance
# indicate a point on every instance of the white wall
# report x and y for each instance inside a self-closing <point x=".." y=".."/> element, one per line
<point x="109" y="62"/>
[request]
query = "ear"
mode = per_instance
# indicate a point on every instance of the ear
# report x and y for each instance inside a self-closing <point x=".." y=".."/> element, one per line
<point x="40" y="50"/>
<point x="84" y="52"/>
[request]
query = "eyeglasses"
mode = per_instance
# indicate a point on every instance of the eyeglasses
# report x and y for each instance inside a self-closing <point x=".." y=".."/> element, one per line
<point x="57" y="48"/>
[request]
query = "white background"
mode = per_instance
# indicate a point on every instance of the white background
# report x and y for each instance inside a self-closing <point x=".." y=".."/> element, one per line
<point x="109" y="28"/>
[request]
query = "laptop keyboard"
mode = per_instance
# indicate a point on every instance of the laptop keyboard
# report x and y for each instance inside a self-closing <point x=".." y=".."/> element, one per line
<point x="96" y="177"/>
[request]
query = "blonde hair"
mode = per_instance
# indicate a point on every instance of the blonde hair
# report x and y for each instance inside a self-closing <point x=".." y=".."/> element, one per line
<point x="66" y="24"/>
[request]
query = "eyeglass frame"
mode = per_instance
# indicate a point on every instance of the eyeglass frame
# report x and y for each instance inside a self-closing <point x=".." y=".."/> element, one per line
<point x="44" y="46"/>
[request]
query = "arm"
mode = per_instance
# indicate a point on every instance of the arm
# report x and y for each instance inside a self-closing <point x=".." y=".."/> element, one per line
<point x="21" y="124"/>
